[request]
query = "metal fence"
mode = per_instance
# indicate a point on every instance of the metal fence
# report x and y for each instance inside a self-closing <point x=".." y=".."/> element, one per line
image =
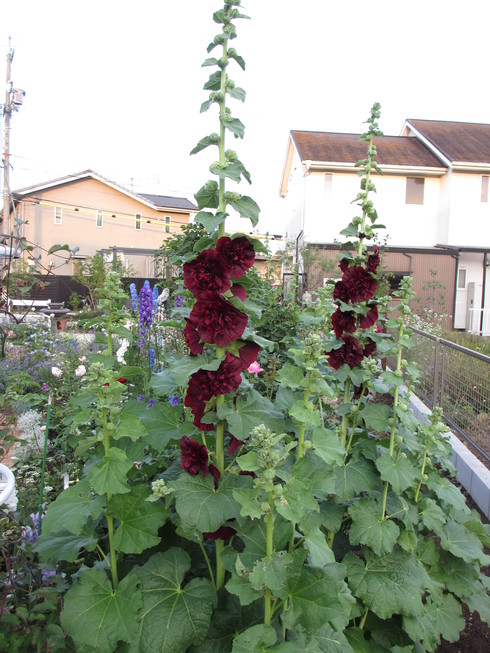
<point x="457" y="379"/>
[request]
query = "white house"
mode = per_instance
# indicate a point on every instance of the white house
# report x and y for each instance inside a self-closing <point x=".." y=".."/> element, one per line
<point x="433" y="199"/>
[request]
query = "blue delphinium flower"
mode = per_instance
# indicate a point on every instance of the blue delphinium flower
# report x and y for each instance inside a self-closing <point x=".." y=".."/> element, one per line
<point x="151" y="402"/>
<point x="145" y="312"/>
<point x="155" y="300"/>
<point x="134" y="296"/>
<point x="174" y="400"/>
<point x="179" y="299"/>
<point x="152" y="357"/>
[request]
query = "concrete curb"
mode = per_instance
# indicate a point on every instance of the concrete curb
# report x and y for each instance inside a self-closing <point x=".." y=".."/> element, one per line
<point x="471" y="473"/>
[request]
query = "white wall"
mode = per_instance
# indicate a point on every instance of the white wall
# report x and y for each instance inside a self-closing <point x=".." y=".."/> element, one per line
<point x="469" y="221"/>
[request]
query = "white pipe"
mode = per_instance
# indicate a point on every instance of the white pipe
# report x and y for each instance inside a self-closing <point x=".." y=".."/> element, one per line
<point x="9" y="483"/>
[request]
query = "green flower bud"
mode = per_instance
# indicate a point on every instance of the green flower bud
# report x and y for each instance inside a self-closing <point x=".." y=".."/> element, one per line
<point x="231" y="155"/>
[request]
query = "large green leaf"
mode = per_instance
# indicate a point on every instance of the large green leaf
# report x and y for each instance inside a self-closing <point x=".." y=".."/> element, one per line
<point x="431" y="515"/>
<point x="207" y="196"/>
<point x="110" y="473"/>
<point x="202" y="507"/>
<point x="129" y="426"/>
<point x="174" y="616"/>
<point x="306" y="414"/>
<point x="391" y="584"/>
<point x="255" y="639"/>
<point x="462" y="542"/>
<point x="210" y="221"/>
<point x="161" y="421"/>
<point x="368" y="527"/>
<point x="442" y="617"/>
<point x="296" y="501"/>
<point x="96" y="616"/>
<point x="71" y="509"/>
<point x="400" y="474"/>
<point x="376" y="417"/>
<point x="355" y="477"/>
<point x="320" y="552"/>
<point x="317" y="596"/>
<point x="326" y="445"/>
<point x="291" y="376"/>
<point x="271" y="572"/>
<point x="251" y="410"/>
<point x="254" y="537"/>
<point x="64" y="545"/>
<point x="447" y="492"/>
<point x="188" y="366"/>
<point x="139" y="520"/>
<point x="247" y="208"/>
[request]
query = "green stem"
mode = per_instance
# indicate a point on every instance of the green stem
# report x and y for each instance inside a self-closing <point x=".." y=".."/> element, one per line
<point x="269" y="551"/>
<point x="421" y="474"/>
<point x="208" y="563"/>
<point x="221" y="144"/>
<point x="363" y="620"/>
<point x="43" y="468"/>
<point x="354" y="424"/>
<point x="345" y="422"/>
<point x="220" y="570"/>
<point x="109" y="520"/>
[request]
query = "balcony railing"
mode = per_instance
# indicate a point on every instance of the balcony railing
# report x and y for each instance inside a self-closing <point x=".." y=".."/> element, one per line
<point x="476" y="325"/>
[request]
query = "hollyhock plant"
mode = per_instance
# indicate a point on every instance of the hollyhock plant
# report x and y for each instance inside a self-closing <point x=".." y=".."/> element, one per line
<point x="206" y="273"/>
<point x="351" y="353"/>
<point x="238" y="254"/>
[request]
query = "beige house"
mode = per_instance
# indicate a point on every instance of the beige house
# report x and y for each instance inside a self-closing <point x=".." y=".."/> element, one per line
<point x="91" y="213"/>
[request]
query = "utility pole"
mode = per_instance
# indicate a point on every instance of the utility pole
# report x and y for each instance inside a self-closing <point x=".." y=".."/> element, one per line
<point x="13" y="100"/>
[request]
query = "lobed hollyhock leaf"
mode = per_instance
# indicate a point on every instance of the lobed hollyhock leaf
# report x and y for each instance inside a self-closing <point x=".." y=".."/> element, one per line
<point x="234" y="125"/>
<point x="462" y="543"/>
<point x="214" y="82"/>
<point x="254" y="538"/>
<point x="109" y="474"/>
<point x="65" y="545"/>
<point x="355" y="477"/>
<point x="296" y="501"/>
<point x="399" y="473"/>
<point x="316" y="597"/>
<point x="210" y="221"/>
<point x="447" y="492"/>
<point x="291" y="376"/>
<point x="306" y="413"/>
<point x="205" y="142"/>
<point x="442" y="617"/>
<point x="163" y="383"/>
<point x="71" y="509"/>
<point x="370" y="529"/>
<point x="247" y="208"/>
<point x="174" y="615"/>
<point x="376" y="416"/>
<point x="129" y="426"/>
<point x="240" y="587"/>
<point x="460" y="577"/>
<point x="188" y="366"/>
<point x="139" y="520"/>
<point x="237" y="93"/>
<point x="479" y="600"/>
<point x="394" y="583"/>
<point x="208" y="196"/>
<point x="202" y="507"/>
<point x="251" y="410"/>
<point x="271" y="572"/>
<point x="326" y="445"/>
<point x="96" y="616"/>
<point x="161" y="422"/>
<point x="320" y="552"/>
<point x="255" y="639"/>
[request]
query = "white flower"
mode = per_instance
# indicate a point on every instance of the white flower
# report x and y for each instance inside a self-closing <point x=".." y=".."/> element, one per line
<point x="55" y="371"/>
<point x="82" y="360"/>
<point x="80" y="371"/>
<point x="122" y="350"/>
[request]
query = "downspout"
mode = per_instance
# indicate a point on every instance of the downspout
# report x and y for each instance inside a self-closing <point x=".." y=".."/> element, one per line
<point x="483" y="291"/>
<point x="410" y="265"/>
<point x="456" y="274"/>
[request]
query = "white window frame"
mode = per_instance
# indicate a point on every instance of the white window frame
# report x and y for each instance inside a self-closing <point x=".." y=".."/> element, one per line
<point x="460" y="270"/>
<point x="58" y="215"/>
<point x="99" y="217"/>
<point x="417" y="196"/>
<point x="137" y="221"/>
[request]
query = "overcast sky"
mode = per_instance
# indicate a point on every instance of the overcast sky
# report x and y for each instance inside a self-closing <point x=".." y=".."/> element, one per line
<point x="116" y="85"/>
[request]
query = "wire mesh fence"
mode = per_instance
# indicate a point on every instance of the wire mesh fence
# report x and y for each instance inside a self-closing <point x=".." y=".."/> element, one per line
<point x="458" y="380"/>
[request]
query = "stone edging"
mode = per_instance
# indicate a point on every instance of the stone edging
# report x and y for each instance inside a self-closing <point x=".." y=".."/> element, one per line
<point x="471" y="473"/>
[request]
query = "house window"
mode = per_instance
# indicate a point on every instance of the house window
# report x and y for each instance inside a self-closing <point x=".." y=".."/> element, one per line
<point x="327" y="188"/>
<point x="484" y="188"/>
<point x="167" y="224"/>
<point x="58" y="215"/>
<point x="137" y="221"/>
<point x="99" y="219"/>
<point x="462" y="278"/>
<point x="415" y="190"/>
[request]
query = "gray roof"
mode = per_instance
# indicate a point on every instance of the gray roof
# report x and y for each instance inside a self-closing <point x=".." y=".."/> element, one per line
<point x="167" y="202"/>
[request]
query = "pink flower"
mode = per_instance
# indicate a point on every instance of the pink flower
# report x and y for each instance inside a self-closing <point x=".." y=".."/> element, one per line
<point x="80" y="371"/>
<point x="254" y="369"/>
<point x="55" y="371"/>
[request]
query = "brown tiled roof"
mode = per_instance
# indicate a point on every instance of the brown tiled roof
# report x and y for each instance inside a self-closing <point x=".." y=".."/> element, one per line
<point x="168" y="202"/>
<point x="465" y="142"/>
<point x="348" y="148"/>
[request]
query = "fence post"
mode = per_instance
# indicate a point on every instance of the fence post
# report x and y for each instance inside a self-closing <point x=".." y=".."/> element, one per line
<point x="435" y="391"/>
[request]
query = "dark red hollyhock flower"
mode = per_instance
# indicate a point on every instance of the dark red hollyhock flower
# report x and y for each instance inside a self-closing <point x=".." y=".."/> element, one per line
<point x="366" y="321"/>
<point x="237" y="253"/>
<point x="340" y="292"/>
<point x="343" y="322"/>
<point x="359" y="283"/>
<point x="248" y="354"/>
<point x="223" y="533"/>
<point x="217" y="321"/>
<point x="358" y="392"/>
<point x="207" y="273"/>
<point x="239" y="291"/>
<point x="192" y="339"/>
<point x="205" y="384"/>
<point x="121" y="379"/>
<point x="194" y="458"/>
<point x="369" y="349"/>
<point x="351" y="353"/>
<point x="234" y="445"/>
<point x="373" y="261"/>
